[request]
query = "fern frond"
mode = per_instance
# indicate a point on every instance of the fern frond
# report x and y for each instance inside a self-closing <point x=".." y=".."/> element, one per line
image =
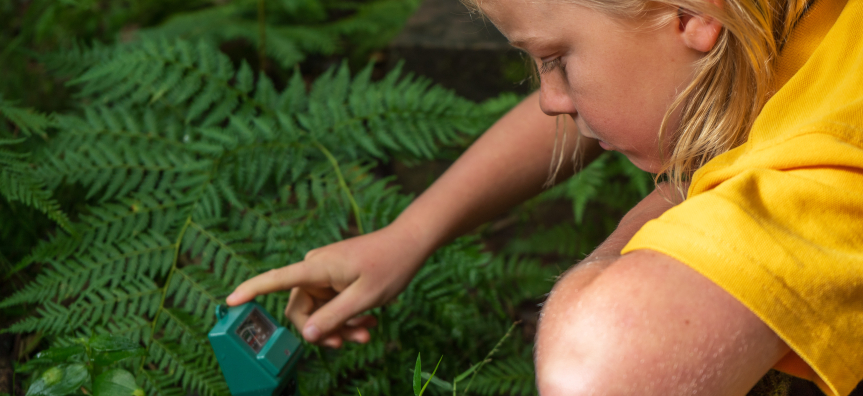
<point x="584" y="186"/>
<point x="219" y="24"/>
<point x="18" y="183"/>
<point x="112" y="223"/>
<point x="196" y="77"/>
<point x="113" y="160"/>
<point x="511" y="376"/>
<point x="316" y="378"/>
<point x="147" y="256"/>
<point x="160" y="384"/>
<point x="133" y="328"/>
<point x="192" y="368"/>
<point x="95" y="306"/>
<point x="375" y="24"/>
<point x="294" y="30"/>
<point x="611" y="180"/>
<point x="196" y="292"/>
<point x="563" y="239"/>
<point x="27" y="121"/>
<point x="183" y="327"/>
<point x="73" y="61"/>
<point x="218" y="251"/>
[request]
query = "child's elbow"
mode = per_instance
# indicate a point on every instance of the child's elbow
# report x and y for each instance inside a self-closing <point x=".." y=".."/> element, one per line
<point x="648" y="325"/>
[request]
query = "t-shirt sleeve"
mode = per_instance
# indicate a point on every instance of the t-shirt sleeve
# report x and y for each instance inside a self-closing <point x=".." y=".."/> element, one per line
<point x="787" y="243"/>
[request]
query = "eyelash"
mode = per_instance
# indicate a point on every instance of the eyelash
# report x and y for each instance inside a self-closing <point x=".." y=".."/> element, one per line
<point x="548" y="66"/>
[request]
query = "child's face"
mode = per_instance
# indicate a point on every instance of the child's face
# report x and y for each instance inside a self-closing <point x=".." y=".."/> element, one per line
<point x="616" y="79"/>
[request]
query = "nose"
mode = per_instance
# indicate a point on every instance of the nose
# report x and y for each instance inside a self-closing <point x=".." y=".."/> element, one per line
<point x="554" y="96"/>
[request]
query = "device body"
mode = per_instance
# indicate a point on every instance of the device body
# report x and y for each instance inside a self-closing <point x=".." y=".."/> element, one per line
<point x="257" y="356"/>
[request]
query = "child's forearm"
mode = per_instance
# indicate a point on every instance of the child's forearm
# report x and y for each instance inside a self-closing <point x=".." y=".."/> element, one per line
<point x="504" y="167"/>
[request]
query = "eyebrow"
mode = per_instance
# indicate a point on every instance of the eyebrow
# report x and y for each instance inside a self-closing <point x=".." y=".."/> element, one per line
<point x="523" y="43"/>
<point x="519" y="43"/>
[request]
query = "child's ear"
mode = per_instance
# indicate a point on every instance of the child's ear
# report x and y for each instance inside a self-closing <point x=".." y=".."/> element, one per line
<point x="698" y="31"/>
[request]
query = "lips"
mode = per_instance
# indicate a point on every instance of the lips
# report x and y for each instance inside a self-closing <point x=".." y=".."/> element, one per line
<point x="605" y="146"/>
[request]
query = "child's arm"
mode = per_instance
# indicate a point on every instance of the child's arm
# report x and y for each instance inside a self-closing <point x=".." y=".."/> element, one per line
<point x="505" y="166"/>
<point x="646" y="324"/>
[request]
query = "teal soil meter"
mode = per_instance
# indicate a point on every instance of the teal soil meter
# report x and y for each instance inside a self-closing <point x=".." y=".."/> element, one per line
<point x="257" y="356"/>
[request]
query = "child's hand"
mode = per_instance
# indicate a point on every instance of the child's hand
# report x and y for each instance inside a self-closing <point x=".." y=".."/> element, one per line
<point x="337" y="282"/>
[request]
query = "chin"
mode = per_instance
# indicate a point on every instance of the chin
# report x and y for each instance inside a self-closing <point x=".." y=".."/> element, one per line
<point x="647" y="165"/>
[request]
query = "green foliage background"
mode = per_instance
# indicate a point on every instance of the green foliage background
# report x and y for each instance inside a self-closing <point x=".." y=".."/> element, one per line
<point x="155" y="154"/>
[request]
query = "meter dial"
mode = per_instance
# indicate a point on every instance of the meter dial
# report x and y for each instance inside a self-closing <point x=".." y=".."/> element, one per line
<point x="256" y="330"/>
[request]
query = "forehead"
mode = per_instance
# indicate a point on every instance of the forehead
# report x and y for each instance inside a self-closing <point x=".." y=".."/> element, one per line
<point x="528" y="23"/>
<point x="540" y="24"/>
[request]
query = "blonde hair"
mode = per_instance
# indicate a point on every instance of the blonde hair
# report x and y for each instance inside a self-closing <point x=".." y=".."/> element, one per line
<point x="731" y="82"/>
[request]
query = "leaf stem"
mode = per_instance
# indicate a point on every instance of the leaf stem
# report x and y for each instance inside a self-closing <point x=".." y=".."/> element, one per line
<point x="487" y="358"/>
<point x="343" y="184"/>
<point x="177" y="245"/>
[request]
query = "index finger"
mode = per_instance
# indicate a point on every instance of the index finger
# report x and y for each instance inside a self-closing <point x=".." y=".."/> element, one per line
<point x="285" y="278"/>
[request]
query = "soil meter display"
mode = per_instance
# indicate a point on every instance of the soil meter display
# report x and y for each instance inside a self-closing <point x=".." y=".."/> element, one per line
<point x="257" y="356"/>
<point x="256" y="330"/>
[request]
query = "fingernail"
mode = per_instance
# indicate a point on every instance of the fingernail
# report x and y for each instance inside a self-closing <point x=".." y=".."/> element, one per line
<point x="311" y="333"/>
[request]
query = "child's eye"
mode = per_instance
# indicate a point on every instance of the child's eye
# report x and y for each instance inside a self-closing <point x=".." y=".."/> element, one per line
<point x="548" y="66"/>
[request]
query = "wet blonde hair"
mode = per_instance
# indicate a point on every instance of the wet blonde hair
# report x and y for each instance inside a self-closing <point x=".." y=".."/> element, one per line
<point x="731" y="82"/>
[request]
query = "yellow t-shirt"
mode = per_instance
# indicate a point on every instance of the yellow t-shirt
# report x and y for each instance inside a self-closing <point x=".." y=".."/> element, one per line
<point x="778" y="221"/>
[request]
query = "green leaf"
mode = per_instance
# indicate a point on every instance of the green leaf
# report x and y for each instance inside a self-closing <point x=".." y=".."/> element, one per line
<point x="53" y="356"/>
<point x="60" y="380"/>
<point x="466" y="373"/>
<point x="438" y="382"/>
<point x="105" y="359"/>
<point x="112" y="343"/>
<point x="116" y="382"/>
<point x="417" y="377"/>
<point x="430" y="377"/>
<point x="108" y="349"/>
<point x="245" y="78"/>
<point x="63" y="354"/>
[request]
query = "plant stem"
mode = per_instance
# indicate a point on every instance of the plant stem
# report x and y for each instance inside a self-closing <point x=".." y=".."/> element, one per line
<point x="343" y="184"/>
<point x="165" y="290"/>
<point x="490" y="353"/>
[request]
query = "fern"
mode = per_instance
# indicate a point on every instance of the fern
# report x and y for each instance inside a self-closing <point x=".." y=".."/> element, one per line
<point x="611" y="180"/>
<point x="18" y="181"/>
<point x="292" y="30"/>
<point x="25" y="120"/>
<point x="209" y="176"/>
<point x="512" y="376"/>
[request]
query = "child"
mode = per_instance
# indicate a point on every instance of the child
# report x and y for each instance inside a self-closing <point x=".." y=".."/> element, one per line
<point x="756" y="105"/>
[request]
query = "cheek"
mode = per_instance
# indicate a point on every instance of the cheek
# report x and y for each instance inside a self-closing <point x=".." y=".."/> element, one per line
<point x="624" y="130"/>
<point x="605" y="100"/>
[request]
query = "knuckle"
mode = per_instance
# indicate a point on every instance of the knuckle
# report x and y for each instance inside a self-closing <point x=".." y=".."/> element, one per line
<point x="312" y="253"/>
<point x="297" y="318"/>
